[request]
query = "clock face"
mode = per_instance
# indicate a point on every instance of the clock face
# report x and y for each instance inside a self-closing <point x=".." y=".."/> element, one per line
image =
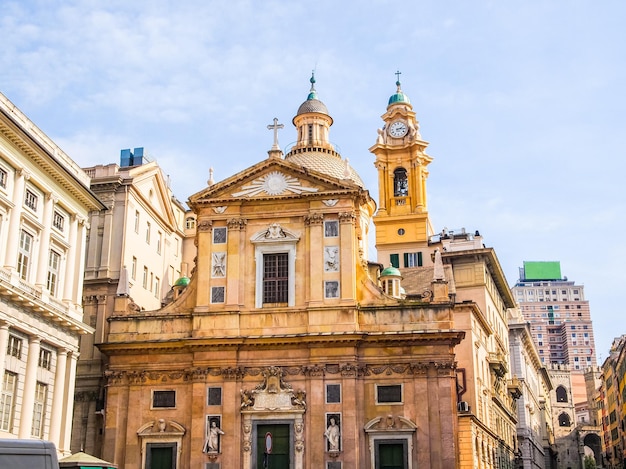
<point x="398" y="129"/>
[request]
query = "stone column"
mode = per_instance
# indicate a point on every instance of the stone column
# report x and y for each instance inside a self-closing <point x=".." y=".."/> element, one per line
<point x="204" y="240"/>
<point x="382" y="186"/>
<point x="56" y="415"/>
<point x="68" y="407"/>
<point x="4" y="341"/>
<point x="70" y="268"/>
<point x="78" y="278"/>
<point x="236" y="261"/>
<point x="44" y="246"/>
<point x="30" y="383"/>
<point x="348" y="253"/>
<point x="13" y="238"/>
<point x="315" y="228"/>
<point x="434" y="422"/>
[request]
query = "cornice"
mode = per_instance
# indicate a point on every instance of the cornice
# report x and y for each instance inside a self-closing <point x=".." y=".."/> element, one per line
<point x="356" y="339"/>
<point x="356" y="370"/>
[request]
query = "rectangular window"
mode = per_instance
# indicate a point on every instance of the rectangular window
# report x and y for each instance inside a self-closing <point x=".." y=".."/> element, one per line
<point x="7" y="401"/>
<point x="145" y="277"/>
<point x="333" y="393"/>
<point x="163" y="399"/>
<point x="331" y="289"/>
<point x="217" y="295"/>
<point x="14" y="347"/>
<point x="30" y="200"/>
<point x="3" y="178"/>
<point x="136" y="221"/>
<point x="157" y="286"/>
<point x="24" y="254"/>
<point x="394" y="259"/>
<point x="41" y="391"/>
<point x="54" y="262"/>
<point x="412" y="259"/>
<point x="159" y="241"/>
<point x="389" y="394"/>
<point x="133" y="268"/>
<point x="331" y="229"/>
<point x="148" y="232"/>
<point x="275" y="278"/>
<point x="214" y="396"/>
<point x="58" y="221"/>
<point x="219" y="235"/>
<point x="45" y="358"/>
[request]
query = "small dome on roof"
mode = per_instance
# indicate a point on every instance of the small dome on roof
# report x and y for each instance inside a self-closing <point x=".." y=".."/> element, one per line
<point x="312" y="104"/>
<point x="182" y="282"/>
<point x="399" y="96"/>
<point x="391" y="271"/>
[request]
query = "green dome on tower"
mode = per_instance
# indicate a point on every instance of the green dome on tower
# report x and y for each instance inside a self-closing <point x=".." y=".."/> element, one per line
<point x="390" y="272"/>
<point x="399" y="97"/>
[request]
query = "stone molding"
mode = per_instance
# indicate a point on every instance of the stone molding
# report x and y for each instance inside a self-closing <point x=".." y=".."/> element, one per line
<point x="123" y="377"/>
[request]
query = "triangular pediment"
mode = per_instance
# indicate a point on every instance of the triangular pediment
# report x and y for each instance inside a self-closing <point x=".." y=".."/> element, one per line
<point x="273" y="178"/>
<point x="150" y="187"/>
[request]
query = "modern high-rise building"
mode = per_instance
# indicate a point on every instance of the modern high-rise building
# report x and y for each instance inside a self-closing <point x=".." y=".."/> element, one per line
<point x="560" y="319"/>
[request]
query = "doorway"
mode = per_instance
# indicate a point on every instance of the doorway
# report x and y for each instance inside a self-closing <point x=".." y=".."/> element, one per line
<point x="391" y="454"/>
<point x="161" y="456"/>
<point x="273" y="446"/>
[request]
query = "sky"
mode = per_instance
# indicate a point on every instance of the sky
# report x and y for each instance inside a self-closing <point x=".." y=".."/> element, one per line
<point x="522" y="102"/>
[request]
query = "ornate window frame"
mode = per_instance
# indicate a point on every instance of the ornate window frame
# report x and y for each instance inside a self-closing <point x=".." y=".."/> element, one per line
<point x="275" y="240"/>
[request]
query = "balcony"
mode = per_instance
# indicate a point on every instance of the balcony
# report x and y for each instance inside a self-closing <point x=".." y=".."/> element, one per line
<point x="32" y="298"/>
<point x="497" y="363"/>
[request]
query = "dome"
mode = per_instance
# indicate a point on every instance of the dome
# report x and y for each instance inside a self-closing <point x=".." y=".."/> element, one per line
<point x="312" y="104"/>
<point x="391" y="271"/>
<point x="325" y="163"/>
<point x="182" y="282"/>
<point x="399" y="96"/>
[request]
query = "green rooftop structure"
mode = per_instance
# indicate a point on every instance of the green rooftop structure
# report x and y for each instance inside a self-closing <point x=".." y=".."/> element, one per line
<point x="542" y="270"/>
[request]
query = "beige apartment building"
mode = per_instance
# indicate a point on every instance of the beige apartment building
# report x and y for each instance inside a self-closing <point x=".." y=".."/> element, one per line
<point x="134" y="250"/>
<point x="45" y="203"/>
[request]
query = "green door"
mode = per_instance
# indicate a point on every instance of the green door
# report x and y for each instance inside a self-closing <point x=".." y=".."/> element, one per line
<point x="160" y="456"/>
<point x="278" y="457"/>
<point x="391" y="456"/>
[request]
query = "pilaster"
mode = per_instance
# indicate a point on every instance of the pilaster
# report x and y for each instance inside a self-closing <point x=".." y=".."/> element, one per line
<point x="30" y="381"/>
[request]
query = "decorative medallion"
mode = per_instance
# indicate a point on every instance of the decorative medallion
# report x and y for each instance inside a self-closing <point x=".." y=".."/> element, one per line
<point x="274" y="183"/>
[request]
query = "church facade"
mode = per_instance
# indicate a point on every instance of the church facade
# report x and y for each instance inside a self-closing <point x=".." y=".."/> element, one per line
<point x="288" y="348"/>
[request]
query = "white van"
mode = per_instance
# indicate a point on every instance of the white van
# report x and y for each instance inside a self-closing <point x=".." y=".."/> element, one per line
<point x="28" y="454"/>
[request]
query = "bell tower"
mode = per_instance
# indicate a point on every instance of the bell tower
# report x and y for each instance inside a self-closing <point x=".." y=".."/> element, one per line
<point x="402" y="222"/>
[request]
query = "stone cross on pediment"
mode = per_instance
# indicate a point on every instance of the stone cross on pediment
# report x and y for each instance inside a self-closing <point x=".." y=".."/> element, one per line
<point x="275" y="127"/>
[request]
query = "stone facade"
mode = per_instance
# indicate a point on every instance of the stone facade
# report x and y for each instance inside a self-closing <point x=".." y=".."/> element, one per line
<point x="135" y="250"/>
<point x="284" y="338"/>
<point x="45" y="201"/>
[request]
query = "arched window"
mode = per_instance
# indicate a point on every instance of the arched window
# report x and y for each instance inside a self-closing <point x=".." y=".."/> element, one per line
<point x="561" y="394"/>
<point x="400" y="183"/>
<point x="564" y="420"/>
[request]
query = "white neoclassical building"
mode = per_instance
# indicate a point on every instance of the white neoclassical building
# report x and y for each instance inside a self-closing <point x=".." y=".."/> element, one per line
<point x="45" y="201"/>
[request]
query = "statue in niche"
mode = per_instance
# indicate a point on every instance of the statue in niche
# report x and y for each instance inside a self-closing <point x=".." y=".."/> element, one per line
<point x="212" y="444"/>
<point x="332" y="434"/>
